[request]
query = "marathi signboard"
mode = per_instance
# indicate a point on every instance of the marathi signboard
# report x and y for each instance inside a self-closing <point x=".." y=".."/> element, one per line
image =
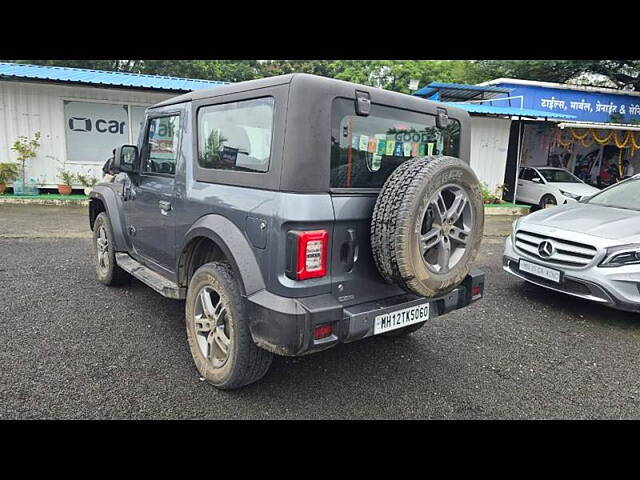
<point x="585" y="105"/>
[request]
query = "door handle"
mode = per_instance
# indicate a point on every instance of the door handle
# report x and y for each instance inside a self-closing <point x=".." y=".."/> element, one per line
<point x="164" y="206"/>
<point x="519" y="184"/>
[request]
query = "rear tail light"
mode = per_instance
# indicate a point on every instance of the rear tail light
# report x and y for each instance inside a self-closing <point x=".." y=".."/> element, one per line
<point x="307" y="254"/>
<point x="322" y="331"/>
<point x="476" y="292"/>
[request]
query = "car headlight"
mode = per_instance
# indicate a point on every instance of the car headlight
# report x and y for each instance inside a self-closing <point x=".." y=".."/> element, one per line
<point x="570" y="195"/>
<point x="514" y="227"/>
<point x="622" y="255"/>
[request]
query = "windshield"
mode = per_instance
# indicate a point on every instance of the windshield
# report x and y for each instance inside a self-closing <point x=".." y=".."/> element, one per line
<point x="559" y="176"/>
<point x="366" y="150"/>
<point x="623" y="195"/>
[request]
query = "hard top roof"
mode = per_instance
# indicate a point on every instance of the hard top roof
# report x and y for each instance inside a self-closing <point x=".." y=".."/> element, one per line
<point x="308" y="81"/>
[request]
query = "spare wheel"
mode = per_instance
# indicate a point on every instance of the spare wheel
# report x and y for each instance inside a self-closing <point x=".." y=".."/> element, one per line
<point x="427" y="225"/>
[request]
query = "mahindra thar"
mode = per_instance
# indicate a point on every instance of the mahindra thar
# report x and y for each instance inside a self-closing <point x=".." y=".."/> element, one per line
<point x="291" y="214"/>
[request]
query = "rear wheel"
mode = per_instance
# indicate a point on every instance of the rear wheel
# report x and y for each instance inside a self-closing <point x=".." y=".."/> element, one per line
<point x="218" y="332"/>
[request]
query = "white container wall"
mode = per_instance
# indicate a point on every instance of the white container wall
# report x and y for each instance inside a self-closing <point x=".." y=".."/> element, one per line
<point x="489" y="145"/>
<point x="52" y="110"/>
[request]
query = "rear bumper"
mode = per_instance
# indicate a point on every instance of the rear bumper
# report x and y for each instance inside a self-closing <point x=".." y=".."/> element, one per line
<point x="285" y="325"/>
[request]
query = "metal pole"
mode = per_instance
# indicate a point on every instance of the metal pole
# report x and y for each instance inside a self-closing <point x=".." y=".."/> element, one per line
<point x="515" y="185"/>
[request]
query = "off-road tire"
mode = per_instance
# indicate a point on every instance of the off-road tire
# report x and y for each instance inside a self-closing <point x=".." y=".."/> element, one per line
<point x="113" y="274"/>
<point x="246" y="363"/>
<point x="397" y="219"/>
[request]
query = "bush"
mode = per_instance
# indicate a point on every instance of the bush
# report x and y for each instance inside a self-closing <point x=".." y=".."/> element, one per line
<point x="8" y="172"/>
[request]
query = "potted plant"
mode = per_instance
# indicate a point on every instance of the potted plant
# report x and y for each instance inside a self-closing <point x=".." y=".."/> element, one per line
<point x="88" y="181"/>
<point x="8" y="173"/>
<point x="487" y="196"/>
<point x="26" y="149"/>
<point x="67" y="181"/>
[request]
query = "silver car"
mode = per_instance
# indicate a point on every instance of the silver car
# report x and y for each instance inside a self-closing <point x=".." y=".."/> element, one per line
<point x="589" y="249"/>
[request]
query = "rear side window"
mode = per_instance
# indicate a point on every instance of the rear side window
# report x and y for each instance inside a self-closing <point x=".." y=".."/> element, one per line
<point x="236" y="136"/>
<point x="366" y="150"/>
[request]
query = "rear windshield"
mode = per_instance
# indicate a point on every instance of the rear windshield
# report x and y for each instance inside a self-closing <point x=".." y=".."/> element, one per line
<point x="366" y="150"/>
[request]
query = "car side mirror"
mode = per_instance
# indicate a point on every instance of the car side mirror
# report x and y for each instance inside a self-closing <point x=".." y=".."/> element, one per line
<point x="125" y="159"/>
<point x="536" y="179"/>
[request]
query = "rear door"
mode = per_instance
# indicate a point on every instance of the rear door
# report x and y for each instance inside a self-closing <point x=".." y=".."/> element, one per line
<point x="365" y="150"/>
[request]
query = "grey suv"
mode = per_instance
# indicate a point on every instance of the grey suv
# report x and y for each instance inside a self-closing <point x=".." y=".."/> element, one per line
<point x="293" y="213"/>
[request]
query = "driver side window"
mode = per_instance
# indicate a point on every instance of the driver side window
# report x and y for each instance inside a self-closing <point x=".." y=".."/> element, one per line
<point x="161" y="148"/>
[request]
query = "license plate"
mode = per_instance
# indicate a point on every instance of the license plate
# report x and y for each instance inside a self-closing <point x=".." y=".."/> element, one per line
<point x="540" y="271"/>
<point x="401" y="318"/>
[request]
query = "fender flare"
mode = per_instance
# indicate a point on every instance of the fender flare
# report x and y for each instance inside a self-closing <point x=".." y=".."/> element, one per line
<point x="233" y="244"/>
<point x="114" y="207"/>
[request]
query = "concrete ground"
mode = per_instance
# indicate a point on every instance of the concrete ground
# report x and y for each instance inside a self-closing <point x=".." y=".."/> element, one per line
<point x="73" y="348"/>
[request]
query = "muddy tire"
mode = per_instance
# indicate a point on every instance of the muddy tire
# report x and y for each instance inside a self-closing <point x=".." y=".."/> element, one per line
<point x="218" y="331"/>
<point x="104" y="255"/>
<point x="427" y="225"/>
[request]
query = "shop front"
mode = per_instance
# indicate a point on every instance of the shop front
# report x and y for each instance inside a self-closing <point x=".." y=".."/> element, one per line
<point x="599" y="145"/>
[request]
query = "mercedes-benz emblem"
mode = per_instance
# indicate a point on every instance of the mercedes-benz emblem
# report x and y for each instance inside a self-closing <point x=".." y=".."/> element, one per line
<point x="545" y="249"/>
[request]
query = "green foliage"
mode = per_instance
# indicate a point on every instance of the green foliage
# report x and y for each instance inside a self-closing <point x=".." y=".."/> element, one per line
<point x="8" y="172"/>
<point x="493" y="197"/>
<point x="26" y="149"/>
<point x="66" y="176"/>
<point x="86" y="180"/>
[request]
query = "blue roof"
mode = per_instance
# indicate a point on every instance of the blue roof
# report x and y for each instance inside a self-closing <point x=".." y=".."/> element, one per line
<point x="459" y="90"/>
<point x="512" y="111"/>
<point x="104" y="78"/>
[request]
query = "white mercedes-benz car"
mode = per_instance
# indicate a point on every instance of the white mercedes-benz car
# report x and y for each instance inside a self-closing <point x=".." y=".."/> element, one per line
<point x="589" y="249"/>
<point x="550" y="186"/>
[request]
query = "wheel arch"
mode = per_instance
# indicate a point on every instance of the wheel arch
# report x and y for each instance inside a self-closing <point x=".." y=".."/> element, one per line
<point x="104" y="199"/>
<point x="222" y="240"/>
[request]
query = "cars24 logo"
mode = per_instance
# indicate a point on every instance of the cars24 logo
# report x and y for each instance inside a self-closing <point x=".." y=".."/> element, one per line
<point x="83" y="124"/>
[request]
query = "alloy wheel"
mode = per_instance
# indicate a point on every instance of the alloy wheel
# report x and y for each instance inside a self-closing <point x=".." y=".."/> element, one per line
<point x="212" y="326"/>
<point x="446" y="228"/>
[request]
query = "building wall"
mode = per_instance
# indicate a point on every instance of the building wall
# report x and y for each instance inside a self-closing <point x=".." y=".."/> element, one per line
<point x="27" y="108"/>
<point x="489" y="144"/>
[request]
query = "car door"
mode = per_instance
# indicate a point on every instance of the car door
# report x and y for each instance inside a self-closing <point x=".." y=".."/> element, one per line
<point x="150" y="208"/>
<point x="537" y="186"/>
<point x="524" y="185"/>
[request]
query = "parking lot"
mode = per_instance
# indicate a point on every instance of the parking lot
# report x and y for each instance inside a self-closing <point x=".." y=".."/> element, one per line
<point x="73" y="348"/>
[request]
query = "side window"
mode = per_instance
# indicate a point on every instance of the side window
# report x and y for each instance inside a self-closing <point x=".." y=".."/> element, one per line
<point x="237" y="135"/>
<point x="163" y="141"/>
<point x="535" y="175"/>
<point x="527" y="174"/>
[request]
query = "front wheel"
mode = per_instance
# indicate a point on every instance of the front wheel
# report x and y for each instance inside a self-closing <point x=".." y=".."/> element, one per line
<point x="548" y="201"/>
<point x="218" y="331"/>
<point x="107" y="270"/>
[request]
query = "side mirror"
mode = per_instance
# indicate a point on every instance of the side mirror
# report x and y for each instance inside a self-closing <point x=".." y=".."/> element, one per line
<point x="126" y="159"/>
<point x="536" y="179"/>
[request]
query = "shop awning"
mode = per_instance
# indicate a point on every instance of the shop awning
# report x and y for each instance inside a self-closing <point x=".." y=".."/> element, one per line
<point x="509" y="111"/>
<point x="460" y="91"/>
<point x="600" y="126"/>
